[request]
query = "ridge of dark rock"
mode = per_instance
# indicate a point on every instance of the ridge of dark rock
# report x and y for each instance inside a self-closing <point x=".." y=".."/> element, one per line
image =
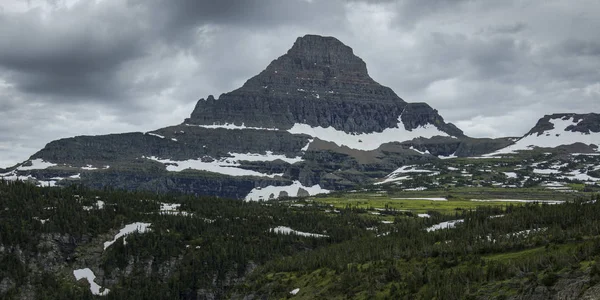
<point x="586" y="123"/>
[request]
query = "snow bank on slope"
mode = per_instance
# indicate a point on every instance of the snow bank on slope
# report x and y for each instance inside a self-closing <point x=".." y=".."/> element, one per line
<point x="444" y="225"/>
<point x="453" y="155"/>
<point x="90" y="277"/>
<point x="128" y="229"/>
<point x="37" y="164"/>
<point x="273" y="192"/>
<point x="232" y="126"/>
<point x="221" y="167"/>
<point x="156" y="135"/>
<point x="11" y="176"/>
<point x="578" y="175"/>
<point x="366" y="141"/>
<point x="269" y="156"/>
<point x="402" y="170"/>
<point x="227" y="165"/>
<point x="551" y="138"/>
<point x="287" y="230"/>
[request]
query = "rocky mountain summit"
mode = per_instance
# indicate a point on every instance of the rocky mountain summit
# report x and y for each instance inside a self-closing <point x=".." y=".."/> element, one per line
<point x="318" y="82"/>
<point x="583" y="123"/>
<point x="311" y="122"/>
<point x="569" y="131"/>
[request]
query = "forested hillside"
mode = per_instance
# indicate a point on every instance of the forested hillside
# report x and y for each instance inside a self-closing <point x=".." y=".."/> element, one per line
<point x="189" y="247"/>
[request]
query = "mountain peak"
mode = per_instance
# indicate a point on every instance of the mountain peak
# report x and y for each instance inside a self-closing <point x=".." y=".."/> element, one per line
<point x="320" y="51"/>
<point x="318" y="82"/>
<point x="316" y="63"/>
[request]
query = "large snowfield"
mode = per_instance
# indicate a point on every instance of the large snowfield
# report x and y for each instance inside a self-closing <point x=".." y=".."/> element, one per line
<point x="227" y="165"/>
<point x="552" y="138"/>
<point x="366" y="141"/>
<point x="128" y="229"/>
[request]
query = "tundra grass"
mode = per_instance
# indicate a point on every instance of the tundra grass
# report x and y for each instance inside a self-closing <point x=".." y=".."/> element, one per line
<point x="457" y="198"/>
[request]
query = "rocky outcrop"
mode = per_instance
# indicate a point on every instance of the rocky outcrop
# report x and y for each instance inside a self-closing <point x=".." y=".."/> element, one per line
<point x="453" y="147"/>
<point x="421" y="114"/>
<point x="584" y="123"/>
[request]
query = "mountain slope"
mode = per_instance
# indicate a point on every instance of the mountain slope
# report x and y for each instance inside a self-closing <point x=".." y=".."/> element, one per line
<point x="579" y="131"/>
<point x="312" y="121"/>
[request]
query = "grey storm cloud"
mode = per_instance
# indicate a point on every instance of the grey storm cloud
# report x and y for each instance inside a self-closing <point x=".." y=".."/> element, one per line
<point x="82" y="51"/>
<point x="72" y="67"/>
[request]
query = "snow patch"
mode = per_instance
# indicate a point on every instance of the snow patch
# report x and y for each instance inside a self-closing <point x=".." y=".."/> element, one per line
<point x="128" y="229"/>
<point x="444" y="225"/>
<point x="36" y="164"/>
<point x="223" y="166"/>
<point x="156" y="135"/>
<point x="421" y="188"/>
<point x="90" y="277"/>
<point x="269" y="156"/>
<point x="305" y="148"/>
<point x="551" y="138"/>
<point x="419" y="151"/>
<point x="287" y="230"/>
<point x="453" y="155"/>
<point x="232" y="126"/>
<point x="582" y="176"/>
<point x="273" y="192"/>
<point x="49" y="183"/>
<point x="366" y="141"/>
<point x="545" y="171"/>
<point x="402" y="170"/>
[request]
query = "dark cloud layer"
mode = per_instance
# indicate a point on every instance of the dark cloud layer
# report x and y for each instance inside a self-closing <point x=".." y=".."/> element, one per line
<point x="70" y="67"/>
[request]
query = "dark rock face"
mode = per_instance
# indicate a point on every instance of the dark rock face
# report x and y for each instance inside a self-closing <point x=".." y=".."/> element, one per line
<point x="319" y="82"/>
<point x="190" y="142"/>
<point x="191" y="182"/>
<point x="421" y="114"/>
<point x="586" y="123"/>
<point x="463" y="147"/>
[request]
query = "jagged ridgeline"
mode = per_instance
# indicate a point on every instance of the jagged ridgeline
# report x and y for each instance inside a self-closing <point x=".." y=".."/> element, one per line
<point x="312" y="121"/>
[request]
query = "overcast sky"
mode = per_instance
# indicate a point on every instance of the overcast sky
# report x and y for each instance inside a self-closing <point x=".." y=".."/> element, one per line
<point x="493" y="68"/>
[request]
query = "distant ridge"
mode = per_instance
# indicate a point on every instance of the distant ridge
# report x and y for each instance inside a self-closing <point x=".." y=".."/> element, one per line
<point x="579" y="131"/>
